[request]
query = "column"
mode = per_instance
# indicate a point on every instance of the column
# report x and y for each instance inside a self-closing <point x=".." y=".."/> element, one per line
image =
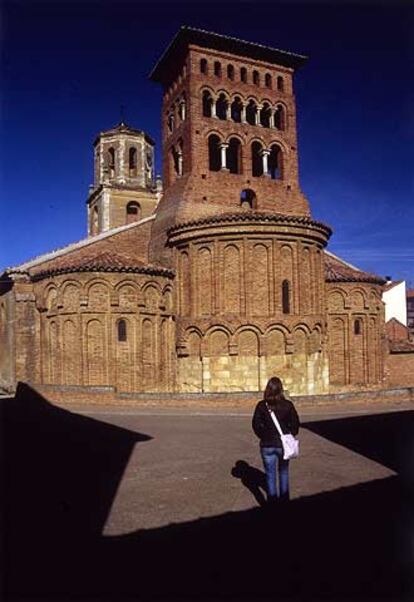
<point x="228" y="111"/>
<point x="223" y="151"/>
<point x="243" y="113"/>
<point x="265" y="155"/>
<point x="271" y="118"/>
<point x="213" y="108"/>
<point x="180" y="162"/>
<point x="256" y="116"/>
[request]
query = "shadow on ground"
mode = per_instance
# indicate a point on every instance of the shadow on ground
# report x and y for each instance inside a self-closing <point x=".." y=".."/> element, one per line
<point x="62" y="472"/>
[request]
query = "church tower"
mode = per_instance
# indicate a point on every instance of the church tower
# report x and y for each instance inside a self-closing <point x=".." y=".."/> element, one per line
<point x="124" y="189"/>
<point x="233" y="222"/>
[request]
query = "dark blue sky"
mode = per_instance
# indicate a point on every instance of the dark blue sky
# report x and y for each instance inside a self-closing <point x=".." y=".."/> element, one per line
<point x="67" y="67"/>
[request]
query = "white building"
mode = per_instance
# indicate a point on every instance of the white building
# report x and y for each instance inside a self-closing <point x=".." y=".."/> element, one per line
<point x="394" y="297"/>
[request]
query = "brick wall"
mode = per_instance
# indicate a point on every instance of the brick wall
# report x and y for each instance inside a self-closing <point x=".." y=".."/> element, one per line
<point x="399" y="369"/>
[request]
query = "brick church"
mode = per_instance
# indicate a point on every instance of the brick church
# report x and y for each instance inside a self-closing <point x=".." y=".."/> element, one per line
<point x="212" y="281"/>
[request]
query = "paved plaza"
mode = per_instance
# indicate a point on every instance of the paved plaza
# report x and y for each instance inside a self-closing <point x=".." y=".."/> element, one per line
<point x="166" y="503"/>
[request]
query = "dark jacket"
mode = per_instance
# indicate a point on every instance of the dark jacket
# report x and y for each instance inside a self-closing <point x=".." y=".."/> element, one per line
<point x="265" y="428"/>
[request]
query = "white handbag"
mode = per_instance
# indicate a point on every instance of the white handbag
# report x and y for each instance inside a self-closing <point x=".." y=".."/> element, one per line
<point x="289" y="443"/>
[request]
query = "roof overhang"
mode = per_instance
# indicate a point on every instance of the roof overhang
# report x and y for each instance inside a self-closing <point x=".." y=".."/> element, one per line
<point x="177" y="49"/>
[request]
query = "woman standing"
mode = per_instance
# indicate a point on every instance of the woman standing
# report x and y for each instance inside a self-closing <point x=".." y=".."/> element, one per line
<point x="270" y="443"/>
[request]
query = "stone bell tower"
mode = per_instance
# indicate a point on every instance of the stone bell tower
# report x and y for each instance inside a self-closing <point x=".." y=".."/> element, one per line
<point x="124" y="188"/>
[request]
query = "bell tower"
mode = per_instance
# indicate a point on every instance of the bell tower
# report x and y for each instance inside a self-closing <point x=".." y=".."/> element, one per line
<point x="228" y="129"/>
<point x="124" y="189"/>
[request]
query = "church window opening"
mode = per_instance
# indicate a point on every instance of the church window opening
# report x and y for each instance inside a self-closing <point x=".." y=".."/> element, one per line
<point x="122" y="331"/>
<point x="234" y="156"/>
<point x="265" y="114"/>
<point x="230" y="72"/>
<point x="275" y="162"/>
<point x="280" y="83"/>
<point x="248" y="199"/>
<point x="203" y="66"/>
<point x="268" y="80"/>
<point x="256" y="78"/>
<point x="133" y="212"/>
<point x="280" y="118"/>
<point x="286" y="297"/>
<point x="221" y="107"/>
<point x="251" y="111"/>
<point x="207" y="104"/>
<point x="243" y="75"/>
<point x="217" y="68"/>
<point x="170" y="120"/>
<point x="214" y="153"/>
<point x="357" y="326"/>
<point x="236" y="110"/>
<point x="132" y="161"/>
<point x="257" y="162"/>
<point x="182" y="108"/>
<point x="111" y="160"/>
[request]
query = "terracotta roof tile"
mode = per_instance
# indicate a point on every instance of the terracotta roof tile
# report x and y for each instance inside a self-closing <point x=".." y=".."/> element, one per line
<point x="401" y="346"/>
<point x="337" y="270"/>
<point x="104" y="261"/>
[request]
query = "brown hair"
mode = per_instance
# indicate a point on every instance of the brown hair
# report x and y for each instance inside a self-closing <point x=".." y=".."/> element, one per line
<point x="274" y="391"/>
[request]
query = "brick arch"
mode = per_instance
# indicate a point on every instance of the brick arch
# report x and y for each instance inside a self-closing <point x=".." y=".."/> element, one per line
<point x="207" y="88"/>
<point x="260" y="299"/>
<point x="275" y="341"/>
<point x="226" y="93"/>
<point x="250" y="97"/>
<point x="96" y="353"/>
<point x="214" y="132"/>
<point x="217" y="342"/>
<point x="300" y="337"/>
<point x="50" y="295"/>
<point x="358" y="298"/>
<point x="232" y="278"/>
<point x="98" y="292"/>
<point x="128" y="292"/>
<point x="239" y="137"/>
<point x="333" y="296"/>
<point x="71" y="353"/>
<point x="337" y="351"/>
<point x="152" y="295"/>
<point x="71" y="299"/>
<point x="284" y="147"/>
<point x="205" y="277"/>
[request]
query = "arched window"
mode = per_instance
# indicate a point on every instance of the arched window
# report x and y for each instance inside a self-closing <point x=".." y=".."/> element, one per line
<point x="248" y="199"/>
<point x="217" y="68"/>
<point x="230" y="72"/>
<point x="243" y="75"/>
<point x="177" y="156"/>
<point x="170" y="120"/>
<point x="257" y="161"/>
<point x="357" y="326"/>
<point x="256" y="78"/>
<point x="280" y="118"/>
<point x="207" y="103"/>
<point x="236" y="110"/>
<point x="132" y="160"/>
<point x="268" y="80"/>
<point x="280" y="83"/>
<point x="251" y="111"/>
<point x="214" y="158"/>
<point x="221" y="107"/>
<point x="265" y="115"/>
<point x="122" y="331"/>
<point x="234" y="155"/>
<point x="286" y="297"/>
<point x="111" y="160"/>
<point x="182" y="108"/>
<point x="133" y="212"/>
<point x="203" y="66"/>
<point x="275" y="162"/>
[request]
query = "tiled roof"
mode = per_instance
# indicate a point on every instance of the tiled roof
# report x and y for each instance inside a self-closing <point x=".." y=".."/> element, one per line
<point x="401" y="346"/>
<point x="208" y="39"/>
<point x="253" y="216"/>
<point x="104" y="261"/>
<point x="337" y="270"/>
<point x="410" y="294"/>
<point x="69" y="249"/>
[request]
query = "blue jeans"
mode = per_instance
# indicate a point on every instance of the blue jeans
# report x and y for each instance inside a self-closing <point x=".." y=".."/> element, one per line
<point x="273" y="456"/>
